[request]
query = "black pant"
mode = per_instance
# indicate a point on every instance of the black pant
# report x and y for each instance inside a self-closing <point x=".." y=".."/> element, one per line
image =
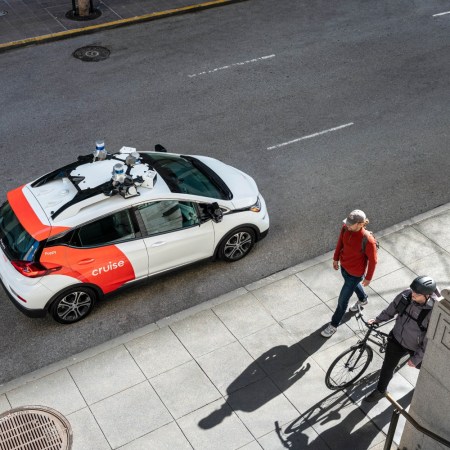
<point x="394" y="353"/>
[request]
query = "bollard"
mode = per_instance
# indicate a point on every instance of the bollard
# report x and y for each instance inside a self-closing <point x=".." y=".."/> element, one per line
<point x="83" y="10"/>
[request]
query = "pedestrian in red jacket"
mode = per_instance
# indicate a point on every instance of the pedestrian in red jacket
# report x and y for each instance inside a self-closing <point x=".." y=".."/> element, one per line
<point x="356" y="254"/>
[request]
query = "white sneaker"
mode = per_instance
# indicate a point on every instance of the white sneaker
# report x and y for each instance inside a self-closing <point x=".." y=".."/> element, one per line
<point x="354" y="307"/>
<point x="329" y="331"/>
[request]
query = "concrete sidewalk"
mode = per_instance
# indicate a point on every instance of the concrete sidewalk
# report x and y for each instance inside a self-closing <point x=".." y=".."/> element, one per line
<point x="25" y="22"/>
<point x="245" y="370"/>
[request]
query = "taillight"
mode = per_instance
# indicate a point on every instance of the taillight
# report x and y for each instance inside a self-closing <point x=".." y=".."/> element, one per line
<point x="33" y="269"/>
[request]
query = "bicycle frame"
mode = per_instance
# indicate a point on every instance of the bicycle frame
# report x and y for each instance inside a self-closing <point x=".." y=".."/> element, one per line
<point x="379" y="338"/>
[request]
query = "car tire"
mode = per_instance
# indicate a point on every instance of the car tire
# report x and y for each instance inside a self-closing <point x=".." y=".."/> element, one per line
<point x="237" y="244"/>
<point x="73" y="304"/>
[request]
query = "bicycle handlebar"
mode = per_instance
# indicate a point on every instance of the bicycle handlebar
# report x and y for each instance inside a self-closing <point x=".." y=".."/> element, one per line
<point x="371" y="325"/>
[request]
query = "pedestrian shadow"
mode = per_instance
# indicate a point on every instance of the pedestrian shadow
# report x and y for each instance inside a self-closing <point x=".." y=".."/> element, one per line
<point x="337" y="424"/>
<point x="276" y="370"/>
<point x="348" y="316"/>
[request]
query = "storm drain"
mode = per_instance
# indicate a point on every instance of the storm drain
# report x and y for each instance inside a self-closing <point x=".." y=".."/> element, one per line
<point x="34" y="428"/>
<point x="91" y="53"/>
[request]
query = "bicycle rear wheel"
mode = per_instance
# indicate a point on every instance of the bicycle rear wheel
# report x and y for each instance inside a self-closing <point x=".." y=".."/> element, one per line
<point x="348" y="367"/>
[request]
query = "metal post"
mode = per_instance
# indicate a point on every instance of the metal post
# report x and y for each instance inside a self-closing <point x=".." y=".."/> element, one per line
<point x="392" y="428"/>
<point x="83" y="10"/>
<point x="399" y="410"/>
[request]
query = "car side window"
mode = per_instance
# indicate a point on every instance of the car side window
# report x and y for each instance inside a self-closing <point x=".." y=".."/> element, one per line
<point x="168" y="215"/>
<point x="107" y="230"/>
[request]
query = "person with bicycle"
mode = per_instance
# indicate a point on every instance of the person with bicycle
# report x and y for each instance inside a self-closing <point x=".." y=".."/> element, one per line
<point x="408" y="336"/>
<point x="356" y="251"/>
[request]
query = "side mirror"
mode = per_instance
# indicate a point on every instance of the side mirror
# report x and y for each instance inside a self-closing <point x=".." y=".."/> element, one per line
<point x="160" y="148"/>
<point x="215" y="212"/>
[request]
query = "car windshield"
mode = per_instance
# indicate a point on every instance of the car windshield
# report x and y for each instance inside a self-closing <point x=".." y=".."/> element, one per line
<point x="188" y="175"/>
<point x="15" y="240"/>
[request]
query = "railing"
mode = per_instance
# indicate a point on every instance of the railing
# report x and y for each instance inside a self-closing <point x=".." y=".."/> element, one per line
<point x="393" y="425"/>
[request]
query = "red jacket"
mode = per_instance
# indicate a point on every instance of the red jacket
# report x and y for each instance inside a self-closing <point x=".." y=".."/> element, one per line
<point x="349" y="253"/>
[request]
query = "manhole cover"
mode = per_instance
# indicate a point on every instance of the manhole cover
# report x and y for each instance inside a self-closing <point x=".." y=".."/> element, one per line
<point x="3" y="13"/>
<point x="91" y="53"/>
<point x="34" y="428"/>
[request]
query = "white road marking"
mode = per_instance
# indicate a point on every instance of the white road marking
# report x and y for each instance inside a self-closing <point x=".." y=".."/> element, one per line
<point x="232" y="65"/>
<point x="310" y="136"/>
<point x="441" y="14"/>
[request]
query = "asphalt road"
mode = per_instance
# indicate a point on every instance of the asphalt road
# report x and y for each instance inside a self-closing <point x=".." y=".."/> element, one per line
<point x="235" y="83"/>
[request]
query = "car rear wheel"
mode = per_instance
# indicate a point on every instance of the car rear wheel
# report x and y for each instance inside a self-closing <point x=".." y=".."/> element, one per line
<point x="73" y="305"/>
<point x="237" y="244"/>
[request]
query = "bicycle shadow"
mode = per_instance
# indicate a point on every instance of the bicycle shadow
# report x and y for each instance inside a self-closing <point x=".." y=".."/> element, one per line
<point x="277" y="369"/>
<point x="336" y="422"/>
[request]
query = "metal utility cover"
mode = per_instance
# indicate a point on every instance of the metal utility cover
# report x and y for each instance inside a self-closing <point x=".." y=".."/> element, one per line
<point x="91" y="53"/>
<point x="34" y="428"/>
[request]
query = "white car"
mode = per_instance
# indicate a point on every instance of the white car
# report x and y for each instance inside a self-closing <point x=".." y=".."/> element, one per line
<point x="109" y="220"/>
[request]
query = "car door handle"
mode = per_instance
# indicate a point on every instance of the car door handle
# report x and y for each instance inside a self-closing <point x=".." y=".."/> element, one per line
<point x="86" y="261"/>
<point x="158" y="244"/>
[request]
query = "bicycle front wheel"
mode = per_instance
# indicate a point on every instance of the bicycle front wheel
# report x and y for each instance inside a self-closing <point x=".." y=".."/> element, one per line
<point x="348" y="367"/>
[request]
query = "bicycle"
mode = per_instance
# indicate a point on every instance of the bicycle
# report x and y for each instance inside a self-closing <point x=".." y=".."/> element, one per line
<point x="352" y="363"/>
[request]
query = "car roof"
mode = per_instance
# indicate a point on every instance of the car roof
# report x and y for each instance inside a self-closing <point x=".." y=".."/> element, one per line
<point x="75" y="193"/>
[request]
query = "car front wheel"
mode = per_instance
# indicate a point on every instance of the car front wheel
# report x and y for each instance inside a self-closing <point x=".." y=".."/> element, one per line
<point x="73" y="305"/>
<point x="237" y="244"/>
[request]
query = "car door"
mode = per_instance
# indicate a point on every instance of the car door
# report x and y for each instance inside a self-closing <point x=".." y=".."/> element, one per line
<point x="109" y="252"/>
<point x="175" y="235"/>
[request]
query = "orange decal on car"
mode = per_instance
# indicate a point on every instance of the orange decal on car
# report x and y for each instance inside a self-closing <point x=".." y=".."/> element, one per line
<point x="106" y="267"/>
<point x="28" y="218"/>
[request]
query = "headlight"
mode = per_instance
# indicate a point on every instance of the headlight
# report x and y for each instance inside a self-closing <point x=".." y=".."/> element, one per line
<point x="256" y="207"/>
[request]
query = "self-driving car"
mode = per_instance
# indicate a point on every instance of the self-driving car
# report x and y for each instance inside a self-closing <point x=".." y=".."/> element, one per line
<point x="109" y="220"/>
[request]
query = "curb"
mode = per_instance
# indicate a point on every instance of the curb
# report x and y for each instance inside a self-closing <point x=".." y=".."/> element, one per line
<point x="115" y="24"/>
<point x="123" y="339"/>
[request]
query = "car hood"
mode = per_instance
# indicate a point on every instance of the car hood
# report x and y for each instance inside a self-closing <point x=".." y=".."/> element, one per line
<point x="243" y="186"/>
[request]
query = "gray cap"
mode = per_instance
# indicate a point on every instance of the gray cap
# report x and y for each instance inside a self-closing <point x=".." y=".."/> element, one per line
<point x="356" y="216"/>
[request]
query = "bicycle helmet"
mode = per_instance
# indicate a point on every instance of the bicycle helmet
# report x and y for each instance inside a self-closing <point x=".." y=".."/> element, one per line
<point x="423" y="285"/>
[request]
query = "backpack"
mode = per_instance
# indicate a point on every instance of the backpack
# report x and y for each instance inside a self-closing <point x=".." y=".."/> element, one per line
<point x="401" y="309"/>
<point x="366" y="238"/>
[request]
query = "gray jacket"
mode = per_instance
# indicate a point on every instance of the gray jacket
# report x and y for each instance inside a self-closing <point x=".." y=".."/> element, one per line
<point x="406" y="329"/>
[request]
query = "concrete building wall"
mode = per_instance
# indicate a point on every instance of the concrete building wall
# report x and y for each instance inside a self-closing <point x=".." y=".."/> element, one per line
<point x="431" y="402"/>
